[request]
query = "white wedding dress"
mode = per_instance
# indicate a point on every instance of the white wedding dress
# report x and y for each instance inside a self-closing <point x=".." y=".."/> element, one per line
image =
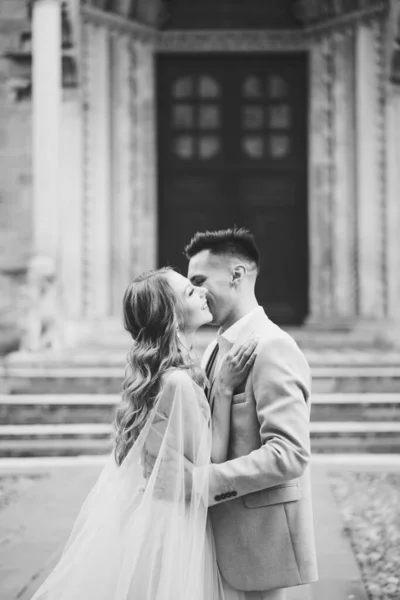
<point x="137" y="537"/>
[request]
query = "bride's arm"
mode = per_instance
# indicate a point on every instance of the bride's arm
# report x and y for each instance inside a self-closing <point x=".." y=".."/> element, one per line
<point x="234" y="369"/>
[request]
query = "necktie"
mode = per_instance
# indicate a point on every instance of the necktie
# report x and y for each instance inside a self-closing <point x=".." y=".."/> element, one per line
<point x="210" y="369"/>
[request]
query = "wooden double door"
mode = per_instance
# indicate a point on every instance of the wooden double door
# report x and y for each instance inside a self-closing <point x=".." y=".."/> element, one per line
<point x="232" y="150"/>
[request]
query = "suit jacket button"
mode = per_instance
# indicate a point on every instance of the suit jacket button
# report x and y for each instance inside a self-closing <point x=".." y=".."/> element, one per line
<point x="234" y="493"/>
<point x="217" y="498"/>
<point x="223" y="496"/>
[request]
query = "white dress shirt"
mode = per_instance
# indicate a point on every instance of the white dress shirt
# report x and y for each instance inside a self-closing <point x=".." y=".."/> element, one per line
<point x="228" y="337"/>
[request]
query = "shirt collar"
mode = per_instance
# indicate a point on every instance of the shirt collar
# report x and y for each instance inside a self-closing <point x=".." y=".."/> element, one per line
<point x="232" y="333"/>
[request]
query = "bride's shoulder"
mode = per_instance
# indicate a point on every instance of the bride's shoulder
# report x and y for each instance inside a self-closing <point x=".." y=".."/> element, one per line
<point x="178" y="381"/>
<point x="176" y="378"/>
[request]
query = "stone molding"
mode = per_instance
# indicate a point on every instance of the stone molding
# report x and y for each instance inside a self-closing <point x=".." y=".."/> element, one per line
<point x="329" y="14"/>
<point x="118" y="24"/>
<point x="148" y="12"/>
<point x="232" y="41"/>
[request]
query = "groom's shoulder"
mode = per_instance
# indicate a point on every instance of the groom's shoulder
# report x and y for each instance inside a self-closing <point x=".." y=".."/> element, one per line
<point x="275" y="342"/>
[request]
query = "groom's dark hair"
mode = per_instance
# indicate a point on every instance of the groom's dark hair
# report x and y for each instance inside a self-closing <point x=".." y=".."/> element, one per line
<point x="236" y="241"/>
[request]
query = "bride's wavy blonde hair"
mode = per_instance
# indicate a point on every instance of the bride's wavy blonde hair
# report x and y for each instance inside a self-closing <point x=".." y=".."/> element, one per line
<point x="152" y="315"/>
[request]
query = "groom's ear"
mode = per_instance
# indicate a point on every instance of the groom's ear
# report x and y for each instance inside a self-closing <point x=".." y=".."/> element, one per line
<point x="237" y="274"/>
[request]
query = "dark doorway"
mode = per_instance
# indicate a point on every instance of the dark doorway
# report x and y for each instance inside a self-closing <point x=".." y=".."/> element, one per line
<point x="232" y="149"/>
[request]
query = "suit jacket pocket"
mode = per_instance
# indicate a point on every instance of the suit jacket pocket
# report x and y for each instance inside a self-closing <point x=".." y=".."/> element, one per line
<point x="288" y="492"/>
<point x="239" y="398"/>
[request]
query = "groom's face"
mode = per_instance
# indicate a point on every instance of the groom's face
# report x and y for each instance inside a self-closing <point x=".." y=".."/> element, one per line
<point x="213" y="273"/>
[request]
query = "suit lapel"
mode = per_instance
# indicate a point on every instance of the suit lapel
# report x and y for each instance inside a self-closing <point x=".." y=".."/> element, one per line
<point x="253" y="326"/>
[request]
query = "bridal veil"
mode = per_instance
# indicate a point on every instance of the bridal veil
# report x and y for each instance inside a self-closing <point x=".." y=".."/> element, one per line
<point x="146" y="536"/>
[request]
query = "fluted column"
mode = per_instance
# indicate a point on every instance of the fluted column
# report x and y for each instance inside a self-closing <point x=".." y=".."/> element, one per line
<point x="71" y="195"/>
<point x="392" y="240"/>
<point x="371" y="292"/>
<point x="46" y="116"/>
<point x="122" y="176"/>
<point x="97" y="194"/>
<point x="320" y="178"/>
<point x="146" y="154"/>
<point x="344" y="189"/>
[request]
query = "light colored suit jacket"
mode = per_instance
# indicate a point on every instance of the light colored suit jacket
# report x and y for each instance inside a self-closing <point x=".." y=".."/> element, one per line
<point x="260" y="498"/>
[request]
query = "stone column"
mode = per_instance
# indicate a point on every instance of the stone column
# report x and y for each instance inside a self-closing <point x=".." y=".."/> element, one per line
<point x="46" y="115"/>
<point x="320" y="178"/>
<point x="371" y="296"/>
<point x="146" y="151"/>
<point x="71" y="194"/>
<point x="393" y="202"/>
<point x="122" y="189"/>
<point x="344" y="190"/>
<point x="97" y="193"/>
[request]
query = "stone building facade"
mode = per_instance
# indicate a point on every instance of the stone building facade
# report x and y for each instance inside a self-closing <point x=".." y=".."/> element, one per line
<point x="129" y="124"/>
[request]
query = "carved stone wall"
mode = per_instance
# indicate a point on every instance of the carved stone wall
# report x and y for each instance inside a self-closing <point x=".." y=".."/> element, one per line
<point x="370" y="157"/>
<point x="349" y="197"/>
<point x="15" y="177"/>
<point x="119" y="204"/>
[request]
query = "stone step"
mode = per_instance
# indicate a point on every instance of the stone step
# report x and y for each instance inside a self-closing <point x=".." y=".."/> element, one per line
<point x="337" y="428"/>
<point x="108" y="356"/>
<point x="83" y="439"/>
<point x="108" y="380"/>
<point x="99" y="408"/>
<point x="19" y="448"/>
<point x="59" y="430"/>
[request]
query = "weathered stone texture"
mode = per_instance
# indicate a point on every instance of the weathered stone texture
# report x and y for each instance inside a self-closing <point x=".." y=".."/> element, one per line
<point x="15" y="185"/>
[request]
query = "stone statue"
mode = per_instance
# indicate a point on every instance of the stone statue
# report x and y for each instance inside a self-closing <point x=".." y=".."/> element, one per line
<point x="41" y="322"/>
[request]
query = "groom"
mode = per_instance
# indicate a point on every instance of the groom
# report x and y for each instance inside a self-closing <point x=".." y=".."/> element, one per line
<point x="260" y="499"/>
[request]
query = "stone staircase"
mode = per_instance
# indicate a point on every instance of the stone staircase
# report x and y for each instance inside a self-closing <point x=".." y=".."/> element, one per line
<point x="62" y="405"/>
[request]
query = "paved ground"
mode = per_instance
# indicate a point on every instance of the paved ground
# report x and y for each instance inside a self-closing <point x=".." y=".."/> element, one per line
<point x="36" y="524"/>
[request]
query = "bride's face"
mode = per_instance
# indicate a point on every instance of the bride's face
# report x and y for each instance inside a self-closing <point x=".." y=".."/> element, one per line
<point x="193" y="301"/>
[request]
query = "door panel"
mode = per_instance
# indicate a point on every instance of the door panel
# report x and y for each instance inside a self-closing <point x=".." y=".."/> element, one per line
<point x="232" y="150"/>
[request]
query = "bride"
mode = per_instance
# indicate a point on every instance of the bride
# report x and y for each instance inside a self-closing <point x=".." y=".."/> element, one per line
<point x="140" y="535"/>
